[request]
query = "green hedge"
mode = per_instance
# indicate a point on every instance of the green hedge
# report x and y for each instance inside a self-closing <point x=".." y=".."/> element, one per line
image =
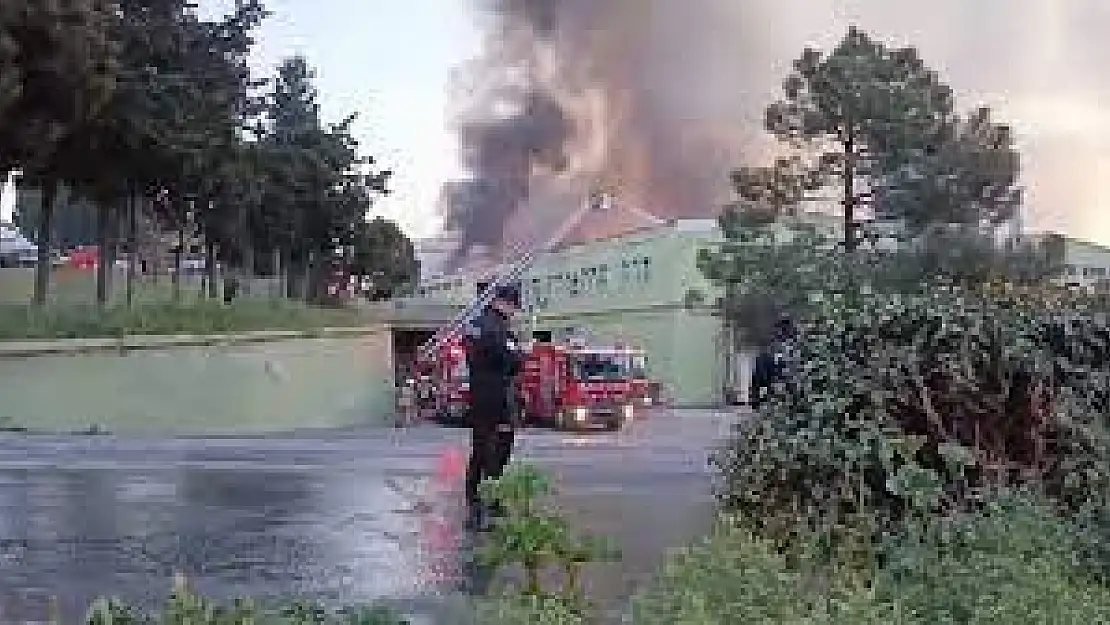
<point x="186" y="608"/>
<point x="195" y="317"/>
<point x="1013" y="563"/>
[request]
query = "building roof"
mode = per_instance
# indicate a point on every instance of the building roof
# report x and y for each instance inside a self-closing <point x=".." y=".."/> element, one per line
<point x="486" y="271"/>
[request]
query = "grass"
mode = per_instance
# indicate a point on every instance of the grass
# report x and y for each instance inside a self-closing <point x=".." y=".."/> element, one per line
<point x="70" y="286"/>
<point x="1013" y="562"/>
<point x="72" y="313"/>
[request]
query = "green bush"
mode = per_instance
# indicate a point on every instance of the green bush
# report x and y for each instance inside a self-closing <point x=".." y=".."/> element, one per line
<point x="534" y="536"/>
<point x="528" y="610"/>
<point x="917" y="402"/>
<point x="185" y="608"/>
<point x="1012" y="562"/>
<point x="735" y="577"/>
<point x="193" y="317"/>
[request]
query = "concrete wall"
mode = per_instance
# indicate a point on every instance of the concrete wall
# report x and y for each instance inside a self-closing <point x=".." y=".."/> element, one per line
<point x="266" y="386"/>
<point x="1087" y="264"/>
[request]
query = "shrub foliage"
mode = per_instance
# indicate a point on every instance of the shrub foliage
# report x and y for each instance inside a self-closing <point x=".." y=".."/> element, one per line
<point x="918" y="402"/>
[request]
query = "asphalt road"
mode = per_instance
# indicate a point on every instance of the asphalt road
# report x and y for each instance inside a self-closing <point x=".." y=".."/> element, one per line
<point x="343" y="516"/>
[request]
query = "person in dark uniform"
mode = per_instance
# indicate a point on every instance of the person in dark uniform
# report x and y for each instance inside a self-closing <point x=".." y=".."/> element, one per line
<point x="494" y="359"/>
<point x="775" y="363"/>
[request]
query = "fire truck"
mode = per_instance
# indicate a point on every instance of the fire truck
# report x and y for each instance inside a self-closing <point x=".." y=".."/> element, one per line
<point x="562" y="385"/>
<point x="443" y="385"/>
<point x="578" y="387"/>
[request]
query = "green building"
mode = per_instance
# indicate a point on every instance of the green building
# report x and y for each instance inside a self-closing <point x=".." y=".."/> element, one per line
<point x="643" y="289"/>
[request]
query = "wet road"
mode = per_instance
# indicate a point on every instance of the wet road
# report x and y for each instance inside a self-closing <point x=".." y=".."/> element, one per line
<point x="343" y="516"/>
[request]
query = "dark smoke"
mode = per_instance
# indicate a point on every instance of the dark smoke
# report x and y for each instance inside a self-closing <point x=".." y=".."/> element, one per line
<point x="504" y="154"/>
<point x="661" y="98"/>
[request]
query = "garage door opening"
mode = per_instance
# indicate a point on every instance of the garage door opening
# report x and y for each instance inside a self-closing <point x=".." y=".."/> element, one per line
<point x="405" y="345"/>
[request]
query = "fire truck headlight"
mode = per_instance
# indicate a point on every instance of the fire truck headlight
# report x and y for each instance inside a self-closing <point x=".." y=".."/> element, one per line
<point x="628" y="411"/>
<point x="580" y="414"/>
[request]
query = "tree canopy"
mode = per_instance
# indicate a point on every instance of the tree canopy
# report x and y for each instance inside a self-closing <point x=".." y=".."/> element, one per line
<point x="151" y="113"/>
<point x="939" y="375"/>
<point x="384" y="254"/>
<point x="875" y="127"/>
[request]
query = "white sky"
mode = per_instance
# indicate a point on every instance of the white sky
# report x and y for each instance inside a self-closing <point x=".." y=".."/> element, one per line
<point x="390" y="62"/>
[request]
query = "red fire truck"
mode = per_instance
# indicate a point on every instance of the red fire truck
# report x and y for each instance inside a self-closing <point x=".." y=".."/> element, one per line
<point x="443" y="385"/>
<point x="578" y="387"/>
<point x="567" y="386"/>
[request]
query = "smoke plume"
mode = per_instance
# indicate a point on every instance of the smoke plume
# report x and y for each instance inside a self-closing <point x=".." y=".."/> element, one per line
<point x="656" y="100"/>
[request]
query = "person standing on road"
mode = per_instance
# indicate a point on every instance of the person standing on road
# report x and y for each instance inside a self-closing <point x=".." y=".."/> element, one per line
<point x="775" y="364"/>
<point x="493" y="358"/>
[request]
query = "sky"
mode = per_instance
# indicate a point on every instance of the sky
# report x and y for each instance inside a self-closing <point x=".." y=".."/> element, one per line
<point x="389" y="61"/>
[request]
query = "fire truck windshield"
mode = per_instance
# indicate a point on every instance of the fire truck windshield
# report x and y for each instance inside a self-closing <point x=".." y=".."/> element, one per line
<point x="598" y="366"/>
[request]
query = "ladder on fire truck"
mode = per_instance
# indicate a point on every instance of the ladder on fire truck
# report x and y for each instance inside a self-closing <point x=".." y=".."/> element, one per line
<point x="451" y="331"/>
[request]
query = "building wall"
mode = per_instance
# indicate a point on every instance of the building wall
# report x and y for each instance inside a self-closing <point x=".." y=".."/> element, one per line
<point x="631" y="289"/>
<point x="1086" y="264"/>
<point x="260" y="387"/>
<point x="634" y="289"/>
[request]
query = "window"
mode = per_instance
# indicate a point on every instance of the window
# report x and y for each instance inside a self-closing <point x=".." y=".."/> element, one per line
<point x="1071" y="270"/>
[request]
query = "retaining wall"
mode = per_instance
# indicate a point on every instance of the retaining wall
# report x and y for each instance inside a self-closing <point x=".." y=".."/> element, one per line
<point x="248" y="383"/>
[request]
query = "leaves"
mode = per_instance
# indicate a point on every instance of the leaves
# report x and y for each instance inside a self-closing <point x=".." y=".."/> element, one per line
<point x="114" y="99"/>
<point x="382" y="252"/>
<point x="534" y="535"/>
<point x="58" y="67"/>
<point x="875" y="128"/>
<point x="187" y="608"/>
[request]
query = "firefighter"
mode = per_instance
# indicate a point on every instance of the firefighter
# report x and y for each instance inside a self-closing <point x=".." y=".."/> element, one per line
<point x="776" y="363"/>
<point x="493" y="358"/>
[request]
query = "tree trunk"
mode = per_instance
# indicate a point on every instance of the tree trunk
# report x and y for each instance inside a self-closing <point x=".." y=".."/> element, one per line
<point x="311" y="280"/>
<point x="849" y="200"/>
<point x="277" y="270"/>
<point x="210" y="268"/>
<point x="132" y="244"/>
<point x="45" y="243"/>
<point x="246" y="250"/>
<point x="177" y="258"/>
<point x="103" y="254"/>
<point x="289" y="265"/>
